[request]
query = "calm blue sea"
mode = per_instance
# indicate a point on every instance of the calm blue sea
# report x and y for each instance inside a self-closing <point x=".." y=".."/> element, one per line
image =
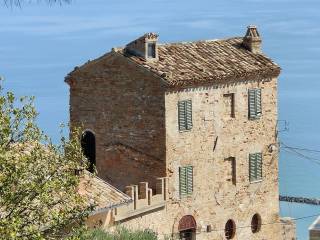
<point x="40" y="44"/>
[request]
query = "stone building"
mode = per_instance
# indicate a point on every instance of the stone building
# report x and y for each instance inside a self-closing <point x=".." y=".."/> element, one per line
<point x="314" y="230"/>
<point x="188" y="131"/>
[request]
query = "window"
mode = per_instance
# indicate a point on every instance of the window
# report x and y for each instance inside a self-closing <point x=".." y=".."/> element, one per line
<point x="88" y="145"/>
<point x="188" y="234"/>
<point x="151" y="50"/>
<point x="254" y="100"/>
<point x="231" y="170"/>
<point x="230" y="229"/>
<point x="186" y="180"/>
<point x="187" y="228"/>
<point x="255" y="167"/>
<point x="185" y="115"/>
<point x="229" y="104"/>
<point x="256" y="223"/>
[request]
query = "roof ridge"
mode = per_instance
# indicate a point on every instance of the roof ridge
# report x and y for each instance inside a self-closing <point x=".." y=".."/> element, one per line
<point x="199" y="41"/>
<point x="119" y="48"/>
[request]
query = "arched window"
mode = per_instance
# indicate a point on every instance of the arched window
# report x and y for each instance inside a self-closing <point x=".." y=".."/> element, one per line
<point x="256" y="223"/>
<point x="88" y="144"/>
<point x="230" y="229"/>
<point x="187" y="228"/>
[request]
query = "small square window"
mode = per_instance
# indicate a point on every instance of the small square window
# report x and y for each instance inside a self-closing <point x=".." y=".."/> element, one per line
<point x="151" y="50"/>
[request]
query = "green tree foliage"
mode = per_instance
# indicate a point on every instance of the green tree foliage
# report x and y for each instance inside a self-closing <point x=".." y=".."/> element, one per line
<point x="119" y="234"/>
<point x="38" y="184"/>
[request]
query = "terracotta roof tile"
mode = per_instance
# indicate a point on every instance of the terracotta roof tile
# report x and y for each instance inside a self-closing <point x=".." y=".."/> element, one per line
<point x="101" y="193"/>
<point x="212" y="61"/>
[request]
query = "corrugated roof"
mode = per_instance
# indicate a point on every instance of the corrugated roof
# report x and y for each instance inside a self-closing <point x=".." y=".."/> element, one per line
<point x="211" y="61"/>
<point x="101" y="193"/>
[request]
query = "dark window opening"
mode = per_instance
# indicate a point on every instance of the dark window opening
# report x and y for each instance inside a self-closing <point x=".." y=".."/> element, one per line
<point x="256" y="223"/>
<point x="187" y="228"/>
<point x="189" y="234"/>
<point x="151" y="50"/>
<point x="230" y="229"/>
<point x="88" y="145"/>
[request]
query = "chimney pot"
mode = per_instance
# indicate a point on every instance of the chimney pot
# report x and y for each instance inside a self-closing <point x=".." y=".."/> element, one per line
<point x="252" y="40"/>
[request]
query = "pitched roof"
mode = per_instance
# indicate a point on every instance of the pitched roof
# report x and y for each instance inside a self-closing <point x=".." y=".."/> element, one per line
<point x="101" y="193"/>
<point x="211" y="61"/>
<point x="315" y="226"/>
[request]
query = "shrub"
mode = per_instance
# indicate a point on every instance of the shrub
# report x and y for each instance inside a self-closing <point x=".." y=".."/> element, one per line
<point x="120" y="234"/>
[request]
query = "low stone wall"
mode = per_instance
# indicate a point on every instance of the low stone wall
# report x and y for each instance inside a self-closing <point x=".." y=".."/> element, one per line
<point x="144" y="201"/>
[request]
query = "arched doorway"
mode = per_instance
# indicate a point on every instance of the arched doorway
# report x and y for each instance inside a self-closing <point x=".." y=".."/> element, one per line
<point x="88" y="144"/>
<point x="187" y="228"/>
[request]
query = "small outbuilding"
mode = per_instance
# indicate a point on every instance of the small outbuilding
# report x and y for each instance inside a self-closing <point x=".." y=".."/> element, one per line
<point x="314" y="230"/>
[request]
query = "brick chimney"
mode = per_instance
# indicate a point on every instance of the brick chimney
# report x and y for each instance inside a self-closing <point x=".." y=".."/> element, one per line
<point x="252" y="40"/>
<point x="145" y="47"/>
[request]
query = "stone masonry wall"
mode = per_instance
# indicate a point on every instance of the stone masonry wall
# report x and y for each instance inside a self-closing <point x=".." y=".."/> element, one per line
<point x="120" y="103"/>
<point x="141" y="167"/>
<point x="215" y="199"/>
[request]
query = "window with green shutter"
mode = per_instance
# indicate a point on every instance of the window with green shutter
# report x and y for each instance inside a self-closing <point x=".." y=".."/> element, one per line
<point x="186" y="180"/>
<point x="185" y="115"/>
<point x="255" y="167"/>
<point x="254" y="101"/>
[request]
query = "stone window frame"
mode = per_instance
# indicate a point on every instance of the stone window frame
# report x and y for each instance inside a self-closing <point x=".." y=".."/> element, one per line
<point x="233" y="162"/>
<point x="233" y="106"/>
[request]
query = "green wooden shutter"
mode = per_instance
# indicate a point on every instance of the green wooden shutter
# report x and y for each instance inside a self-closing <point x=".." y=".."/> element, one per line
<point x="252" y="167"/>
<point x="258" y="102"/>
<point x="186" y="180"/>
<point x="254" y="101"/>
<point x="188" y="114"/>
<point x="255" y="166"/>
<point x="259" y="165"/>
<point x="189" y="179"/>
<point x="183" y="181"/>
<point x="182" y="115"/>
<point x="185" y="115"/>
<point x="251" y="103"/>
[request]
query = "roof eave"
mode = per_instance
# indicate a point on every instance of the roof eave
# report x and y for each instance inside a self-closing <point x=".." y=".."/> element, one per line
<point x="225" y="79"/>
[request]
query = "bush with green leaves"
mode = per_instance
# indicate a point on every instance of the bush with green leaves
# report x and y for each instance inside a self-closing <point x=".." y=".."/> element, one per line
<point x="38" y="184"/>
<point x="119" y="234"/>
